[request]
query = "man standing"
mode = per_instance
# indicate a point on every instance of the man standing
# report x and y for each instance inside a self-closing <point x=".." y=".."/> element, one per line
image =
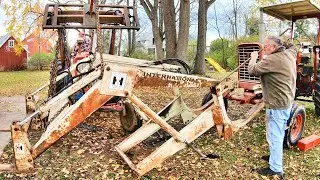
<point x="83" y="44"/>
<point x="278" y="79"/>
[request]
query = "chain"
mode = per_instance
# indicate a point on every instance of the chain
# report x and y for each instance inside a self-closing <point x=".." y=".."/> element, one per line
<point x="99" y="37"/>
<point x="94" y="54"/>
<point x="91" y="38"/>
<point x="65" y="49"/>
<point x="53" y="71"/>
<point x="46" y="123"/>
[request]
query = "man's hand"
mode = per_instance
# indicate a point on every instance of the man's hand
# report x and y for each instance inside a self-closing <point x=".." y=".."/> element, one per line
<point x="254" y="55"/>
<point x="288" y="44"/>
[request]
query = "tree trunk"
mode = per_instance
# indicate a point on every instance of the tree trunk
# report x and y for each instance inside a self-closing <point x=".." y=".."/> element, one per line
<point x="152" y="13"/>
<point x="133" y="43"/>
<point x="158" y="42"/>
<point x="183" y="36"/>
<point x="129" y="50"/>
<point x="235" y="13"/>
<point x="199" y="67"/>
<point x="170" y="28"/>
<point x="133" y="37"/>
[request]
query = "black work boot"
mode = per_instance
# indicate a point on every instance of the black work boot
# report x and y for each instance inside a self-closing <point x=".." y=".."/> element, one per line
<point x="266" y="158"/>
<point x="268" y="172"/>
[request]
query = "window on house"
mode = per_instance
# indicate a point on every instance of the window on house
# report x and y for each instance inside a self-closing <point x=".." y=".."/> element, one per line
<point x="11" y="43"/>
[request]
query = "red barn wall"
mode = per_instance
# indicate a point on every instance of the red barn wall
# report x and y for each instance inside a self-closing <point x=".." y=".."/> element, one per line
<point x="33" y="44"/>
<point x="8" y="58"/>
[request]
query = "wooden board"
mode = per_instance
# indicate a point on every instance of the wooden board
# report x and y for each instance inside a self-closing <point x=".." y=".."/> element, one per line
<point x="294" y="10"/>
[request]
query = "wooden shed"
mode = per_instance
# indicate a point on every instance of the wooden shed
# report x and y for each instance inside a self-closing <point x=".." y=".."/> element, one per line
<point x="9" y="60"/>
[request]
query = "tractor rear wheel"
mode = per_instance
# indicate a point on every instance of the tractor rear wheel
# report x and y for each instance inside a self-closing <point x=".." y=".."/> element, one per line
<point x="295" y="126"/>
<point x="129" y="119"/>
<point x="208" y="97"/>
<point x="316" y="96"/>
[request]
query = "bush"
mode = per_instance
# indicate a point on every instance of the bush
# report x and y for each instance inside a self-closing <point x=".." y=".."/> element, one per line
<point x="230" y="60"/>
<point x="223" y="51"/>
<point x="141" y="54"/>
<point x="40" y="60"/>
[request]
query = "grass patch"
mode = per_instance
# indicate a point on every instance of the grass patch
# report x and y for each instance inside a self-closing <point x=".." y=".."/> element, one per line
<point x="21" y="82"/>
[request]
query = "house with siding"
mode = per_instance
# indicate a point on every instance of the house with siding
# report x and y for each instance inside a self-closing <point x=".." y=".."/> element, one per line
<point x="36" y="44"/>
<point x="9" y="59"/>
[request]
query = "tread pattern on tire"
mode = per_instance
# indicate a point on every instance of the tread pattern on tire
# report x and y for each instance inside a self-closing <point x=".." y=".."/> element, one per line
<point x="316" y="95"/>
<point x="288" y="142"/>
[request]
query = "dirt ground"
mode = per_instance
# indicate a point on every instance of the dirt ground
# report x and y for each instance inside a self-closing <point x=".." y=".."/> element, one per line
<point x="11" y="109"/>
<point x="87" y="152"/>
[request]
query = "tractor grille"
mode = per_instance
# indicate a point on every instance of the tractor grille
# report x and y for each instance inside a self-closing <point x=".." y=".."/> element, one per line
<point x="244" y="51"/>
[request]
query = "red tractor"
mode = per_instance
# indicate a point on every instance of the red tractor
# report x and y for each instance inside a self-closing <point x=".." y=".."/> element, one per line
<point x="308" y="77"/>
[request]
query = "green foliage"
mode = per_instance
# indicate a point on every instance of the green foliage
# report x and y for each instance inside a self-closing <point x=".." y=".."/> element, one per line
<point x="40" y="60"/>
<point x="267" y="2"/>
<point x="22" y="17"/>
<point x="253" y="26"/>
<point x="22" y="82"/>
<point x="224" y="51"/>
<point x="192" y="50"/>
<point x="141" y="54"/>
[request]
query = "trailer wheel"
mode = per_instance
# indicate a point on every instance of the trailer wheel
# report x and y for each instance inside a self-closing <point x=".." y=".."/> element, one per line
<point x="295" y="126"/>
<point x="129" y="120"/>
<point x="208" y="97"/>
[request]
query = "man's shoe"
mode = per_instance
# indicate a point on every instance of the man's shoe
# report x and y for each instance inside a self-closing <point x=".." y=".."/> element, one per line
<point x="266" y="158"/>
<point x="269" y="172"/>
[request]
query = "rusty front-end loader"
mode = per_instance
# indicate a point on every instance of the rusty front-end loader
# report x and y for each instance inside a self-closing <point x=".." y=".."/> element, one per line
<point x="106" y="76"/>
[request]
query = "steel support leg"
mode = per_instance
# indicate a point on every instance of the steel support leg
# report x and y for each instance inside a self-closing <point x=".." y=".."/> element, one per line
<point x="77" y="113"/>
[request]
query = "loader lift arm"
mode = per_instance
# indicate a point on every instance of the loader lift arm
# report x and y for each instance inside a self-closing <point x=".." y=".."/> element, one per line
<point x="118" y="76"/>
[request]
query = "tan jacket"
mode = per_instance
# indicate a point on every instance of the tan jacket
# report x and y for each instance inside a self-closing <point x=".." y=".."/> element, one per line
<point x="278" y="78"/>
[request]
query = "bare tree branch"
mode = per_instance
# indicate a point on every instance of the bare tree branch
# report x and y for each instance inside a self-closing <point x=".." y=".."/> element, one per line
<point x="119" y="2"/>
<point x="209" y="3"/>
<point x="147" y="8"/>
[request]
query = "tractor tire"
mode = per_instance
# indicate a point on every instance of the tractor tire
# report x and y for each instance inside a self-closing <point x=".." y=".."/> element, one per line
<point x="208" y="97"/>
<point x="114" y="99"/>
<point x="295" y="126"/>
<point x="185" y="69"/>
<point x="316" y="96"/>
<point x="129" y="119"/>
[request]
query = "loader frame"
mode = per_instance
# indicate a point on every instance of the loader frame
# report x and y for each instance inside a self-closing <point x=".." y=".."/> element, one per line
<point x="118" y="76"/>
<point x="120" y="81"/>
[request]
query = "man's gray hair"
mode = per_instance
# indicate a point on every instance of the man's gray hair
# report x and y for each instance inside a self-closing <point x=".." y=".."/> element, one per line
<point x="276" y="40"/>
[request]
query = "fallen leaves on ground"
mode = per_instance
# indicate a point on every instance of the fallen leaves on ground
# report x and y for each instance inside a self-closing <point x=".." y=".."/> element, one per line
<point x="87" y="152"/>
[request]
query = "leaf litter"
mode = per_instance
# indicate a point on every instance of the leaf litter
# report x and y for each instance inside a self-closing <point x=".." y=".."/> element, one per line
<point x="87" y="152"/>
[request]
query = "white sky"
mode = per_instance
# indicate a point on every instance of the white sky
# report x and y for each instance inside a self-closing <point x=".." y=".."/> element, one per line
<point x="2" y="19"/>
<point x="73" y="34"/>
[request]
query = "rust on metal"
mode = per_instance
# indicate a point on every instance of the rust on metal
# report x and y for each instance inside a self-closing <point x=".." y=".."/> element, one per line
<point x="118" y="80"/>
<point x="227" y="130"/>
<point x="249" y="85"/>
<point x="245" y="98"/>
<point x="156" y="118"/>
<point x="21" y="147"/>
<point x="217" y="115"/>
<point x="191" y="132"/>
<point x="7" y="168"/>
<point x="30" y="104"/>
<point x="169" y="79"/>
<point x="77" y="114"/>
<point x="113" y="42"/>
<point x="62" y="58"/>
<point x="75" y="14"/>
<point x="236" y="125"/>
